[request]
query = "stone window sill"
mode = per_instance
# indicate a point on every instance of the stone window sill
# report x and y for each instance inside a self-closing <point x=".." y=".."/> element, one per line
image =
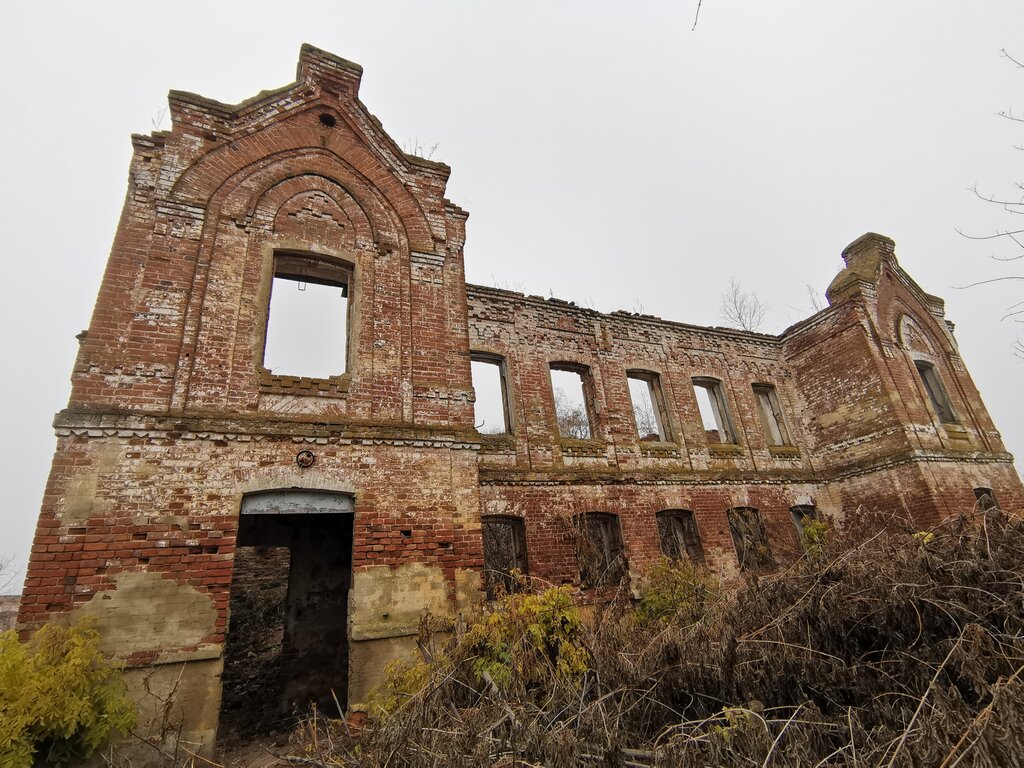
<point x="725" y="449"/>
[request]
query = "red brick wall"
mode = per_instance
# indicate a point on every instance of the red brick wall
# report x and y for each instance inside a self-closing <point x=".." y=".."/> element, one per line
<point x="172" y="418"/>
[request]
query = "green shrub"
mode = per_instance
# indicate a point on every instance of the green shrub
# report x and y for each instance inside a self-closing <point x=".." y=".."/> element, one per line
<point x="60" y="700"/>
<point x="814" y="538"/>
<point x="670" y="586"/>
<point x="523" y="641"/>
<point x="530" y="637"/>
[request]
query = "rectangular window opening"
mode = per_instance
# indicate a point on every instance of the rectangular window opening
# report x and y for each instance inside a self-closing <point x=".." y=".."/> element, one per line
<point x="713" y="412"/>
<point x="680" y="540"/>
<point x="307" y="319"/>
<point x="936" y="392"/>
<point x="491" y="410"/>
<point x="571" y="412"/>
<point x="504" y="554"/>
<point x="750" y="539"/>
<point x="771" y="415"/>
<point x="649" y="411"/>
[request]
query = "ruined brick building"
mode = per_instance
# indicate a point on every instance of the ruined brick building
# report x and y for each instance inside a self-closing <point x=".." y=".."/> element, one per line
<point x="185" y="457"/>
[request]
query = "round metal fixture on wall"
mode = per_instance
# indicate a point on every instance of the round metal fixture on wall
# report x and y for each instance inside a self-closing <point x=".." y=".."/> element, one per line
<point x="305" y="459"/>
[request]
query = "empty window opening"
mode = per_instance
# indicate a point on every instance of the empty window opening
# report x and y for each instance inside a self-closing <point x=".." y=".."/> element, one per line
<point x="571" y="411"/>
<point x="648" y="406"/>
<point x="936" y="392"/>
<point x="599" y="551"/>
<point x="504" y="553"/>
<point x="713" y="412"/>
<point x="490" y="412"/>
<point x="307" y="320"/>
<point x="287" y="636"/>
<point x="986" y="499"/>
<point x="680" y="540"/>
<point x="750" y="539"/>
<point x="803" y="514"/>
<point x="771" y="415"/>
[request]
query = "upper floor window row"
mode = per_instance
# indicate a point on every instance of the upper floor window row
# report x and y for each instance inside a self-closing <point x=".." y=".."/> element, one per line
<point x="573" y="397"/>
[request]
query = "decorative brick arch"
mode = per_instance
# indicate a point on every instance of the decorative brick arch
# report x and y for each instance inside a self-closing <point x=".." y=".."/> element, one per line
<point x="358" y="170"/>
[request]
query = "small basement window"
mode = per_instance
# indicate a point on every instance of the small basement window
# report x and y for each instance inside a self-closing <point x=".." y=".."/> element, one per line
<point x="713" y="412"/>
<point x="572" y="412"/>
<point x="750" y="539"/>
<point x="986" y="499"/>
<point x="677" y="529"/>
<point x="936" y="392"/>
<point x="599" y="550"/>
<point x="771" y="415"/>
<point x="504" y="552"/>
<point x="307" y="320"/>
<point x="490" y="412"/>
<point x="649" y="410"/>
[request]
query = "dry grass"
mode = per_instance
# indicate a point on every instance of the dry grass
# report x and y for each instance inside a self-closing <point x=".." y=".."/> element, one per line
<point x="888" y="648"/>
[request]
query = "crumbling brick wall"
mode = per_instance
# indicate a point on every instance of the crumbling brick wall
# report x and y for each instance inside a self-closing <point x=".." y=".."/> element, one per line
<point x="174" y="422"/>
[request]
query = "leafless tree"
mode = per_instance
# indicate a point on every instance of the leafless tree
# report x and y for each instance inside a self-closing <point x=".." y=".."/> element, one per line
<point x="1011" y="238"/>
<point x="816" y="303"/>
<point x="571" y="416"/>
<point x="741" y="309"/>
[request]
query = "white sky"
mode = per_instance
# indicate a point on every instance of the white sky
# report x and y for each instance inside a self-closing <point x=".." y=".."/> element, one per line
<point x="605" y="152"/>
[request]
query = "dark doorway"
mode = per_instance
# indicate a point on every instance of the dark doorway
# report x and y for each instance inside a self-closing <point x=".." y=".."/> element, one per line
<point x="287" y="640"/>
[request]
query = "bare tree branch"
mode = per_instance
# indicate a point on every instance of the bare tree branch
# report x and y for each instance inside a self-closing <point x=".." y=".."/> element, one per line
<point x="742" y="310"/>
<point x="1008" y="56"/>
<point x="696" y="16"/>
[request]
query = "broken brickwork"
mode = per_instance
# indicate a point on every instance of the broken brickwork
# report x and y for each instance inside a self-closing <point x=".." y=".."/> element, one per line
<point x="178" y="445"/>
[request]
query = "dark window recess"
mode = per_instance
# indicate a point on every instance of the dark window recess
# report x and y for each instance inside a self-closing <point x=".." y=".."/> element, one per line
<point x="490" y="411"/>
<point x="986" y="499"/>
<point x="750" y="539"/>
<point x="803" y="514"/>
<point x="599" y="550"/>
<point x="307" y="319"/>
<point x="714" y="414"/>
<point x="680" y="540"/>
<point x="768" y="408"/>
<point x="504" y="552"/>
<point x="936" y="392"/>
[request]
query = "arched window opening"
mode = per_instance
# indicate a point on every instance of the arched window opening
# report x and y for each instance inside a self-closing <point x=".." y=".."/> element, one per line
<point x="599" y="550"/>
<point x="504" y="553"/>
<point x="491" y="412"/>
<point x="750" y="539"/>
<point x="714" y="413"/>
<point x="571" y="389"/>
<point x="680" y="540"/>
<point x="936" y="392"/>
<point x="802" y="514"/>
<point x="986" y="499"/>
<point x="649" y="410"/>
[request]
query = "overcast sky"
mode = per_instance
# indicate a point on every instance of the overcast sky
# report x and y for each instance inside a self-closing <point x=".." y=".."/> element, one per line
<point x="607" y="154"/>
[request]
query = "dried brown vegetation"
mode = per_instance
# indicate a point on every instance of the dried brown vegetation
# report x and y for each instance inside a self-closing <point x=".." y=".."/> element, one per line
<point x="891" y="648"/>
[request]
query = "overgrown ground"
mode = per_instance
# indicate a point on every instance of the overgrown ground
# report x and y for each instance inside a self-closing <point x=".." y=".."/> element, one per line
<point x="882" y="646"/>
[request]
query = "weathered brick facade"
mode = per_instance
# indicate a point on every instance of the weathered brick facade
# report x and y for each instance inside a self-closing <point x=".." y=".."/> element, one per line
<point x="174" y="422"/>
